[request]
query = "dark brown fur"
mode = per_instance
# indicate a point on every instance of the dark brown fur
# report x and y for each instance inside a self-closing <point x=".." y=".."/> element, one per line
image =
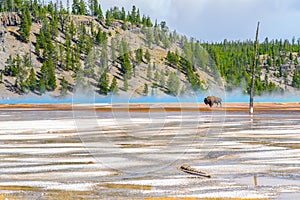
<point x="211" y="100"/>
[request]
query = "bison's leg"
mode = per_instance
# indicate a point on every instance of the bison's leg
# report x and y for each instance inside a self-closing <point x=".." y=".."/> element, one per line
<point x="211" y="104"/>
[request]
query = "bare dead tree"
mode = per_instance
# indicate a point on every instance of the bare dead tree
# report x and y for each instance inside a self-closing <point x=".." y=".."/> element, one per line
<point x="253" y="71"/>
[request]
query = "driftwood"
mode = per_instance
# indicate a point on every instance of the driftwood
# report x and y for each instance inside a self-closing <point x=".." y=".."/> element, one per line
<point x="190" y="170"/>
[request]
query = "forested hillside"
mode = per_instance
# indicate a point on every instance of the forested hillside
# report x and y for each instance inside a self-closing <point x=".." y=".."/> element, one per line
<point x="56" y="49"/>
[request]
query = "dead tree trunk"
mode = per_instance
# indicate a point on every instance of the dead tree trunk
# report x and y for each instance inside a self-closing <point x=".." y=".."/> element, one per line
<point x="253" y="71"/>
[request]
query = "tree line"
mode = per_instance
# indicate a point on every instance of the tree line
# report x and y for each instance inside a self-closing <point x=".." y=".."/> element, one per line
<point x="64" y="45"/>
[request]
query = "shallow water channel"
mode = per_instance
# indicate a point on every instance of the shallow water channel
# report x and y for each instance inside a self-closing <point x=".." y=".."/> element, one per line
<point x="52" y="154"/>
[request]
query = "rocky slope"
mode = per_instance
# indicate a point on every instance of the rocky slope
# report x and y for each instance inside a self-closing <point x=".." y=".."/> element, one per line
<point x="136" y="38"/>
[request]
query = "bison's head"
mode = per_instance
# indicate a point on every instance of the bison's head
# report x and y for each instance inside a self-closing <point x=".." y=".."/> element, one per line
<point x="205" y="101"/>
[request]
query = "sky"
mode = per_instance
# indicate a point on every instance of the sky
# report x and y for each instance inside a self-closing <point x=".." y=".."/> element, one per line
<point x="215" y="20"/>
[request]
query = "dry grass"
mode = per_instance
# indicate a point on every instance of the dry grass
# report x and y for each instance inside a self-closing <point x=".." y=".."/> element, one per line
<point x="129" y="186"/>
<point x="191" y="198"/>
<point x="69" y="195"/>
<point x="18" y="188"/>
<point x="9" y="197"/>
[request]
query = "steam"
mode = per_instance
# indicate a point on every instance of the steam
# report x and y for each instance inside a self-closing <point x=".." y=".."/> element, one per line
<point x="83" y="97"/>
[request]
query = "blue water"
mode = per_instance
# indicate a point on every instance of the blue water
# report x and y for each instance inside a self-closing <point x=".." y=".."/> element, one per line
<point x="149" y="99"/>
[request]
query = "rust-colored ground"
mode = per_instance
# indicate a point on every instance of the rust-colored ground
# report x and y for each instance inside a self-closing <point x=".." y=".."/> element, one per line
<point x="173" y="107"/>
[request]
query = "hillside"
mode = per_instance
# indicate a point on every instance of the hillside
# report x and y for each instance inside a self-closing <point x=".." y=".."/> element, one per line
<point x="46" y="50"/>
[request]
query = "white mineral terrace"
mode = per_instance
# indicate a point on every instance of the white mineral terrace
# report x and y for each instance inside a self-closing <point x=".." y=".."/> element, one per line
<point x="139" y="156"/>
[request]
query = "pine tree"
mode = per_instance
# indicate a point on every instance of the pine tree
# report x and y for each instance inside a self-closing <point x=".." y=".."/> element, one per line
<point x="99" y="36"/>
<point x="113" y="50"/>
<point x="41" y="85"/>
<point x="138" y="17"/>
<point x="63" y="87"/>
<point x="25" y="26"/>
<point x="32" y="80"/>
<point x="82" y="8"/>
<point x="72" y="30"/>
<point x="162" y="80"/>
<point x="100" y="13"/>
<point x="123" y="14"/>
<point x="114" y="86"/>
<point x="147" y="56"/>
<point x="104" y="58"/>
<point x="95" y="7"/>
<point x="148" y="22"/>
<point x="149" y="72"/>
<point x="139" y="55"/>
<point x="48" y="79"/>
<point x="37" y="48"/>
<point x="156" y="76"/>
<point x="149" y="37"/>
<point x="125" y="65"/>
<point x="109" y="18"/>
<point x="173" y="84"/>
<point x="54" y="26"/>
<point x="125" y="86"/>
<point x="51" y="76"/>
<point x="296" y="79"/>
<point x="103" y="83"/>
<point x="10" y="69"/>
<point x="146" y="90"/>
<point x="75" y="7"/>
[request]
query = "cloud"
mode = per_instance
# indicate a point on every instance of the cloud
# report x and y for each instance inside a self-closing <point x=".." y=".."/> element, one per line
<point x="215" y="20"/>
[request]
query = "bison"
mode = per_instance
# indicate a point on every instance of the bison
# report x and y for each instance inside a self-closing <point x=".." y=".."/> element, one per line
<point x="211" y="100"/>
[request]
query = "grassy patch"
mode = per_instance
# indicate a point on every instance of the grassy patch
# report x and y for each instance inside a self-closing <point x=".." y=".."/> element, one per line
<point x="129" y="186"/>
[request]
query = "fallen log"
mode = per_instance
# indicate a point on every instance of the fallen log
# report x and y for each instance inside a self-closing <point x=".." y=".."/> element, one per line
<point x="193" y="171"/>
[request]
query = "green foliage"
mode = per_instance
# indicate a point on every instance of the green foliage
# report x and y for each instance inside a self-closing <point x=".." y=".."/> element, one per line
<point x="149" y="72"/>
<point x="114" y="86"/>
<point x="99" y="13"/>
<point x="10" y="5"/>
<point x="103" y="83"/>
<point x="78" y="7"/>
<point x="48" y="75"/>
<point x="25" y="26"/>
<point x="10" y="68"/>
<point x="63" y="44"/>
<point x="184" y="65"/>
<point x="234" y="60"/>
<point x="173" y="59"/>
<point x="125" y="65"/>
<point x="37" y="48"/>
<point x="63" y="87"/>
<point x="94" y="8"/>
<point x="156" y="76"/>
<point x="139" y="55"/>
<point x="162" y="80"/>
<point x="147" y="56"/>
<point x="19" y="67"/>
<point x="146" y="90"/>
<point x="54" y="26"/>
<point x="108" y="18"/>
<point x="173" y="84"/>
<point x="41" y="85"/>
<point x="31" y="81"/>
<point x="125" y="86"/>
<point x="296" y="79"/>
